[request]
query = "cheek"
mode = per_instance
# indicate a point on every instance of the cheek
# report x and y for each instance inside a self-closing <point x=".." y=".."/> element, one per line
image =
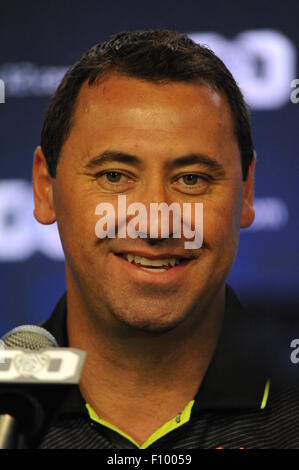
<point x="221" y="223"/>
<point x="76" y="221"/>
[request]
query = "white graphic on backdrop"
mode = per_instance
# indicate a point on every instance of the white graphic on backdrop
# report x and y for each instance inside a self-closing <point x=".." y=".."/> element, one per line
<point x="28" y="79"/>
<point x="262" y="61"/>
<point x="2" y="92"/>
<point x="21" y="235"/>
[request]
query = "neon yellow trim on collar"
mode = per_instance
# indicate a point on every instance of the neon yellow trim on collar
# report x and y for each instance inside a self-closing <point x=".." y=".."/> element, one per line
<point x="266" y="394"/>
<point x="169" y="426"/>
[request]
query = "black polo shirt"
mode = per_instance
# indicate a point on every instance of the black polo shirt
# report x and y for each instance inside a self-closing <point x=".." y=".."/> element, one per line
<point x="240" y="403"/>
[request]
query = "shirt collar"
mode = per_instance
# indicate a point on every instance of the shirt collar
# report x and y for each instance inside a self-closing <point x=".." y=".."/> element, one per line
<point x="236" y="377"/>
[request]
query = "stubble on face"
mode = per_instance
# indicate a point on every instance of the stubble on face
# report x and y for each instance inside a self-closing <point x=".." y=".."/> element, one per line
<point x="158" y="123"/>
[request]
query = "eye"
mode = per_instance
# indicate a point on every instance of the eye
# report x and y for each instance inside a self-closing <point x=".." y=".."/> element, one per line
<point x="190" y="180"/>
<point x="113" y="176"/>
<point x="194" y="179"/>
<point x="193" y="183"/>
<point x="114" y="180"/>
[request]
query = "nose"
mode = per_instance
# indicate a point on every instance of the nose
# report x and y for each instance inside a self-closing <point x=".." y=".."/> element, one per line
<point x="162" y="213"/>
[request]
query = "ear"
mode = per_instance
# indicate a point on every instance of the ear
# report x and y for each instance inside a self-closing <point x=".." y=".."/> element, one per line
<point x="42" y="189"/>
<point x="247" y="214"/>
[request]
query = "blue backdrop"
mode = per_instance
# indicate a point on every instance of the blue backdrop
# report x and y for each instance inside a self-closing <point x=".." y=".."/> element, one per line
<point x="260" y="45"/>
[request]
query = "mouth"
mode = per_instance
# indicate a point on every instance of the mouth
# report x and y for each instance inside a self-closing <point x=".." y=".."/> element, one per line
<point x="154" y="265"/>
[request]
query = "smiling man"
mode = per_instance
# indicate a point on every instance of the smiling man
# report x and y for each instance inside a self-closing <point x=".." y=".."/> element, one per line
<point x="159" y="119"/>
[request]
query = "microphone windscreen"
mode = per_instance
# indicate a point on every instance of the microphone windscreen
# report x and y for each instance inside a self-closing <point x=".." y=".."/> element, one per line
<point x="29" y="337"/>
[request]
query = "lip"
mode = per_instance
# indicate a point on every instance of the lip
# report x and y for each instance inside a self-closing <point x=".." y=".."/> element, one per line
<point x="155" y="255"/>
<point x="160" y="278"/>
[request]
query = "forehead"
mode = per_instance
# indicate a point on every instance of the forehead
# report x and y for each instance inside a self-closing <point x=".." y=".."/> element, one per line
<point x="118" y="97"/>
<point x="120" y="110"/>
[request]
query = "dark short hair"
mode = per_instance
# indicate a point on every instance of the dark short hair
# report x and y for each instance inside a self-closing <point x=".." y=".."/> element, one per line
<point x="158" y="56"/>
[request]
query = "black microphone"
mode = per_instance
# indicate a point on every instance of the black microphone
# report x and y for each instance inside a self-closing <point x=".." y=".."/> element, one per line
<point x="34" y="374"/>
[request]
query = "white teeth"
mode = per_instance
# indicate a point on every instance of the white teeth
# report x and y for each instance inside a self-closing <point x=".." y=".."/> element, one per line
<point x="155" y="270"/>
<point x="151" y="262"/>
<point x="130" y="258"/>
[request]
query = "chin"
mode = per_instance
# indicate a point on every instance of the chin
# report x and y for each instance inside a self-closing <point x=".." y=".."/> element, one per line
<point x="150" y="324"/>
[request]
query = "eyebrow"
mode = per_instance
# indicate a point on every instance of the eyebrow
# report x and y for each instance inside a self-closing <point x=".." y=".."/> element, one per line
<point x="197" y="159"/>
<point x="111" y="156"/>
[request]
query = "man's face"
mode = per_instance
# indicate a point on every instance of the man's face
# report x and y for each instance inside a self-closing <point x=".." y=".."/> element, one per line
<point x="158" y="124"/>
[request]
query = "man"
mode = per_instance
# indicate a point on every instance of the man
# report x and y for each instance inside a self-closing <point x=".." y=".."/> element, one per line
<point x="159" y="119"/>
